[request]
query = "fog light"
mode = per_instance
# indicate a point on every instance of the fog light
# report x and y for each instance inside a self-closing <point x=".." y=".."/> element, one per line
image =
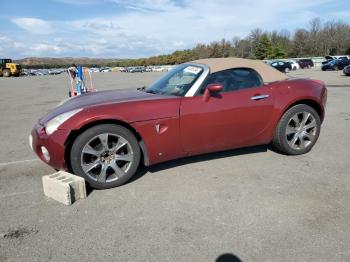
<point x="45" y="153"/>
<point x="31" y="141"/>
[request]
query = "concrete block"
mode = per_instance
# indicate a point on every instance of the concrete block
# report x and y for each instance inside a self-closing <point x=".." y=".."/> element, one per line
<point x="64" y="187"/>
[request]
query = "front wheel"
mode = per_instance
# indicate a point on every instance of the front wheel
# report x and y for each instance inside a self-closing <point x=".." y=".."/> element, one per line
<point x="105" y="155"/>
<point x="6" y="73"/>
<point x="297" y="130"/>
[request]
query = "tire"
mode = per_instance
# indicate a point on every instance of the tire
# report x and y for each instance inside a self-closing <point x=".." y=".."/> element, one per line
<point x="105" y="164"/>
<point x="286" y="70"/>
<point x="294" y="135"/>
<point x="6" y="73"/>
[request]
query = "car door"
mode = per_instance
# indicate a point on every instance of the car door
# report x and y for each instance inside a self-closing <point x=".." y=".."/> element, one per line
<point x="234" y="118"/>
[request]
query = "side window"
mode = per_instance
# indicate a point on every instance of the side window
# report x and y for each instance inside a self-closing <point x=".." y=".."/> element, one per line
<point x="234" y="79"/>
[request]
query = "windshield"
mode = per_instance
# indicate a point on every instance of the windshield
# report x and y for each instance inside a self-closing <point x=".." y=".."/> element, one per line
<point x="177" y="81"/>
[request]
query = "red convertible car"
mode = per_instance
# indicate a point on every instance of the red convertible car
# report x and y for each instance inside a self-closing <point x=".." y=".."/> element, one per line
<point x="199" y="107"/>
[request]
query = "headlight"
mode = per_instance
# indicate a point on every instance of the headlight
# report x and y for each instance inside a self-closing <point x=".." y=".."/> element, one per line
<point x="54" y="123"/>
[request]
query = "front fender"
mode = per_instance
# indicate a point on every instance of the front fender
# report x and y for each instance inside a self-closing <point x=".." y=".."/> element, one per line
<point x="126" y="112"/>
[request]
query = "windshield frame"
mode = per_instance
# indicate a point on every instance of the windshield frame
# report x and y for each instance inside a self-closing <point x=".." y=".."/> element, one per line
<point x="198" y="82"/>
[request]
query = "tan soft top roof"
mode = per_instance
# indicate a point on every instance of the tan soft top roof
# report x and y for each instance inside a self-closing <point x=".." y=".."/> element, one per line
<point x="267" y="72"/>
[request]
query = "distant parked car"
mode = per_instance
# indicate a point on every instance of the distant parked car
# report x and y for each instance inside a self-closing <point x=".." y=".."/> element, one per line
<point x="25" y="72"/>
<point x="94" y="70"/>
<point x="106" y="69"/>
<point x="336" y="64"/>
<point x="41" y="72"/>
<point x="54" y="71"/>
<point x="136" y="69"/>
<point x="341" y="57"/>
<point x="328" y="59"/>
<point x="346" y="70"/>
<point x="294" y="65"/>
<point x="157" y="69"/>
<point x="305" y="63"/>
<point x="281" y="66"/>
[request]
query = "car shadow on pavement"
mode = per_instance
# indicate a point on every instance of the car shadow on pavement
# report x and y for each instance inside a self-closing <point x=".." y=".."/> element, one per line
<point x="199" y="158"/>
<point x="228" y="257"/>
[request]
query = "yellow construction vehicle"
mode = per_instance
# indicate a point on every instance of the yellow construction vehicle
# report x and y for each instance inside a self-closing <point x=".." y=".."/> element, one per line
<point x="8" y="68"/>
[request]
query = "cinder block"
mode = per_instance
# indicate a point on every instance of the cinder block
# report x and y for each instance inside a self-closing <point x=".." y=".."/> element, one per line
<point x="64" y="187"/>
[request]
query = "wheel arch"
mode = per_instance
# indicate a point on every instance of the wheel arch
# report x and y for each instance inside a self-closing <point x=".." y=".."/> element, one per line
<point x="75" y="133"/>
<point x="310" y="102"/>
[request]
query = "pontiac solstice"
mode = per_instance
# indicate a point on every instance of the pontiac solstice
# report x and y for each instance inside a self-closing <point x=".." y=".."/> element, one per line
<point x="199" y="107"/>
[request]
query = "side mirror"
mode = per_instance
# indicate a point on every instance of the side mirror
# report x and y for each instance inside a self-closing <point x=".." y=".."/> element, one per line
<point x="212" y="89"/>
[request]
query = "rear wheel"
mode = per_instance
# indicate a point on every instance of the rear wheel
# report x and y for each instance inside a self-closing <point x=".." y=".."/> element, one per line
<point x="105" y="155"/>
<point x="6" y="73"/>
<point x="297" y="130"/>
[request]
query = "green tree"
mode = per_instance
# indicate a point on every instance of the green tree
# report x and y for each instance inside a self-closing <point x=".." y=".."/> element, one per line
<point x="263" y="49"/>
<point x="277" y="52"/>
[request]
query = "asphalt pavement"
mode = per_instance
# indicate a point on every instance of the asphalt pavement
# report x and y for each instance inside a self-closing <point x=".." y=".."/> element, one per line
<point x="252" y="203"/>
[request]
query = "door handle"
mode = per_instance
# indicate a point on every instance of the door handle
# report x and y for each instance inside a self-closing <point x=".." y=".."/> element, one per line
<point x="259" y="97"/>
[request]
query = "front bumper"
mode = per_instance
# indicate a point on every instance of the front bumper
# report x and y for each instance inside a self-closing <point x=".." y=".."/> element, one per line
<point x="54" y="144"/>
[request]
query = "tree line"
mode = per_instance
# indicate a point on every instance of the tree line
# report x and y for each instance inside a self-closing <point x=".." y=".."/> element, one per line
<point x="317" y="39"/>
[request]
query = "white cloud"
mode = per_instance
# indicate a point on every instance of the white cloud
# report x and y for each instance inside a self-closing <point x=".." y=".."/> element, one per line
<point x="16" y="46"/>
<point x="79" y="2"/>
<point x="148" y="5"/>
<point x="33" y="25"/>
<point x="46" y="47"/>
<point x="342" y="14"/>
<point x="161" y="26"/>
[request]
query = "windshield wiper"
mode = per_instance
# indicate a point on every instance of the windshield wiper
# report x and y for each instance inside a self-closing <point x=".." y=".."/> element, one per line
<point x="151" y="91"/>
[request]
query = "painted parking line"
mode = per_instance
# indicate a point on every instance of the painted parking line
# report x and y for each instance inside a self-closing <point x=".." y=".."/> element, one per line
<point x="18" y="162"/>
<point x="17" y="193"/>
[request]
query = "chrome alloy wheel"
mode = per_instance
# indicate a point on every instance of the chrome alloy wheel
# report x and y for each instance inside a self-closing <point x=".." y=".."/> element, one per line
<point x="301" y="130"/>
<point x="106" y="157"/>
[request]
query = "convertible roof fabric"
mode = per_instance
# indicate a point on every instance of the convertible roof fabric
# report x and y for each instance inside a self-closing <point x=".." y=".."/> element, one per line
<point x="267" y="72"/>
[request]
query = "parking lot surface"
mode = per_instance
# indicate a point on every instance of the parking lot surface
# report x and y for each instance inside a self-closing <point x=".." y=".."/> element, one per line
<point x="253" y="203"/>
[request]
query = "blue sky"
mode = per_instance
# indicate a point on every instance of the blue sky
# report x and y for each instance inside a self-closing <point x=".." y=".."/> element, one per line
<point x="141" y="28"/>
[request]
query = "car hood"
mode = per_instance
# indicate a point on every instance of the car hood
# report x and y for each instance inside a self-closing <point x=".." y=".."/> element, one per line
<point x="99" y="98"/>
